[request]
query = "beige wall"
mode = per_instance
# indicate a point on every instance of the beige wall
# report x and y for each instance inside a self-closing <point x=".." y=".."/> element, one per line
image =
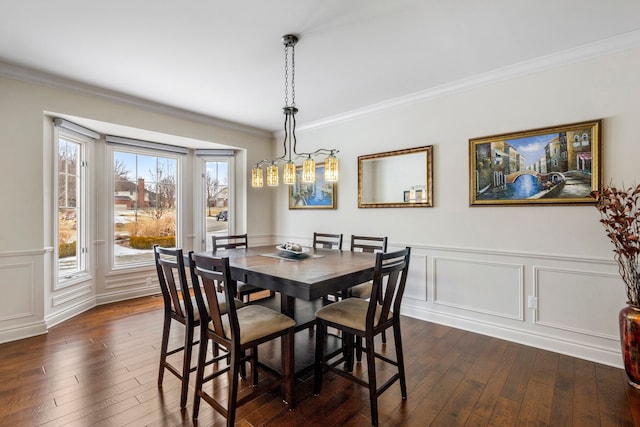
<point x="474" y="267"/>
<point x="30" y="301"/>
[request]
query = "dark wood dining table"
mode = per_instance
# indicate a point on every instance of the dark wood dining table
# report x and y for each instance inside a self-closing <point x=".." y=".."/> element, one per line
<point x="316" y="274"/>
<point x="302" y="283"/>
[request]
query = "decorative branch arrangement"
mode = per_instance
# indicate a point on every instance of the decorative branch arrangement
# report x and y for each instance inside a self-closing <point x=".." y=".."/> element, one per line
<point x="620" y="214"/>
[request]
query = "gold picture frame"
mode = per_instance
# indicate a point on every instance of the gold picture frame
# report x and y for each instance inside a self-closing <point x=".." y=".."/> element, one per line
<point x="548" y="166"/>
<point x="407" y="176"/>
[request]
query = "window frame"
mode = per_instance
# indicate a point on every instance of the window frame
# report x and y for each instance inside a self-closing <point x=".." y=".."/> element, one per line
<point x="201" y="201"/>
<point x="83" y="271"/>
<point x="110" y="159"/>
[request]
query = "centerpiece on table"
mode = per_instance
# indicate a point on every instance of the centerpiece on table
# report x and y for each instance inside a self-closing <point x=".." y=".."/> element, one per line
<point x="620" y="214"/>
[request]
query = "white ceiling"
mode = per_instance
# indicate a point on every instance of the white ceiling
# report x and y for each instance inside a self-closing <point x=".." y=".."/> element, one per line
<point x="225" y="59"/>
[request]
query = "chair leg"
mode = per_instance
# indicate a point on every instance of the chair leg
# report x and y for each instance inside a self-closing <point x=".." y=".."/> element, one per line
<point x="186" y="364"/>
<point x="243" y="367"/>
<point x="400" y="358"/>
<point x="359" y="348"/>
<point x="254" y="365"/>
<point x="233" y="387"/>
<point x="288" y="367"/>
<point x="164" y="347"/>
<point x="317" y="375"/>
<point x="202" y="360"/>
<point x="348" y="342"/>
<point x="373" y="386"/>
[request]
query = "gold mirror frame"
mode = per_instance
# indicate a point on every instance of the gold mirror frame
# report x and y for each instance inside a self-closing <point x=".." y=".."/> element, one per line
<point x="403" y="183"/>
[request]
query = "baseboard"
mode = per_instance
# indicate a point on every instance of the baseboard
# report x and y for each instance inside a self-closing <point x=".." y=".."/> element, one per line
<point x="584" y="351"/>
<point x="117" y="296"/>
<point x="23" y="331"/>
<point x="69" y="312"/>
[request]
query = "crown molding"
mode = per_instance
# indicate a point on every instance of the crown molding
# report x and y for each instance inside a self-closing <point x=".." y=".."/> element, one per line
<point x="29" y="75"/>
<point x="613" y="44"/>
<point x="602" y="47"/>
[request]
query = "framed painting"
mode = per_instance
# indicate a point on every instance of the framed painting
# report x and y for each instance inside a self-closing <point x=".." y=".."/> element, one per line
<point x="554" y="165"/>
<point x="317" y="195"/>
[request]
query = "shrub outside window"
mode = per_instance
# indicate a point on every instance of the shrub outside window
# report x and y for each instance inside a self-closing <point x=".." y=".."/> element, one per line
<point x="144" y="205"/>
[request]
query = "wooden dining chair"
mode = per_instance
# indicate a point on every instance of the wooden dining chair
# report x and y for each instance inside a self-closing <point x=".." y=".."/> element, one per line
<point x="371" y="245"/>
<point x="367" y="244"/>
<point x="356" y="317"/>
<point x="327" y="241"/>
<point x="236" y="241"/>
<point x="239" y="330"/>
<point x="181" y="306"/>
<point x="178" y="306"/>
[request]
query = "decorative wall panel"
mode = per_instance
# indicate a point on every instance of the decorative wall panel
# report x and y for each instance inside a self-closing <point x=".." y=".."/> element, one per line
<point x="16" y="280"/>
<point x="484" y="287"/>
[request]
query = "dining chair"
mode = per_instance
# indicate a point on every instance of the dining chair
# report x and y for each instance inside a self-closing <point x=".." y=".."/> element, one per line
<point x="181" y="306"/>
<point x="356" y="317"/>
<point x="236" y="241"/>
<point x="371" y="245"/>
<point x="238" y="330"/>
<point x="363" y="290"/>
<point x="327" y="241"/>
<point x="178" y="306"/>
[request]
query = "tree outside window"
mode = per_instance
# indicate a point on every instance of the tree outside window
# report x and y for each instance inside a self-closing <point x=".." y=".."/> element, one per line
<point x="70" y="259"/>
<point x="145" y="205"/>
<point x="216" y="185"/>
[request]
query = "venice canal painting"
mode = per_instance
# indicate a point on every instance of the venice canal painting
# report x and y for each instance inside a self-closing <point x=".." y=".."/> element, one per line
<point x="552" y="165"/>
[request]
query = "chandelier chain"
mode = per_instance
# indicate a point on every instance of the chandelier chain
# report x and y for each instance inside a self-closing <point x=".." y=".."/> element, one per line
<point x="286" y="75"/>
<point x="293" y="75"/>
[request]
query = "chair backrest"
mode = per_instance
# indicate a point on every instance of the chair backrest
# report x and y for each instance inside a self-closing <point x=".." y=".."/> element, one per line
<point x="213" y="273"/>
<point x="368" y="244"/>
<point x="389" y="281"/>
<point x="327" y="241"/>
<point x="229" y="242"/>
<point x="173" y="281"/>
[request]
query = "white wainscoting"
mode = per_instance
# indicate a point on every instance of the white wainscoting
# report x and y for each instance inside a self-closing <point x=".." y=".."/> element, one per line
<point x="17" y="281"/>
<point x="572" y="300"/>
<point x="484" y="287"/>
<point x="130" y="284"/>
<point x="578" y="299"/>
<point x="21" y="304"/>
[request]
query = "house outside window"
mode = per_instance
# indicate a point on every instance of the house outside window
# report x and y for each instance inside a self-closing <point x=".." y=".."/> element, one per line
<point x="145" y="205"/>
<point x="217" y="188"/>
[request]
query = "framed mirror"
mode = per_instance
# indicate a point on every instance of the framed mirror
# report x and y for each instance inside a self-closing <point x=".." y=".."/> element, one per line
<point x="396" y="179"/>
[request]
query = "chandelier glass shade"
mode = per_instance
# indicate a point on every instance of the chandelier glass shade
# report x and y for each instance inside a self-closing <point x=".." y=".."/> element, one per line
<point x="291" y="154"/>
<point x="272" y="175"/>
<point x="309" y="170"/>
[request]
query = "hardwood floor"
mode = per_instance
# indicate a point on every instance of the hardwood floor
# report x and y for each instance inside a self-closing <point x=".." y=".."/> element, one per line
<point x="100" y="369"/>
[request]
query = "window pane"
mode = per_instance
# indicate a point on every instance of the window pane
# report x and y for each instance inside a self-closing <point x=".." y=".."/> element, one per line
<point x="144" y="206"/>
<point x="217" y="200"/>
<point x="69" y="248"/>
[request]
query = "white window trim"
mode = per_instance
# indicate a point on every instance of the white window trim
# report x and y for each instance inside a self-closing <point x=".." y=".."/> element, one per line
<point x="140" y="266"/>
<point x="85" y="209"/>
<point x="200" y="198"/>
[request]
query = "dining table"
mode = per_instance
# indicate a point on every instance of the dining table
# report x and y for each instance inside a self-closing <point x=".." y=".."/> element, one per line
<point x="301" y="283"/>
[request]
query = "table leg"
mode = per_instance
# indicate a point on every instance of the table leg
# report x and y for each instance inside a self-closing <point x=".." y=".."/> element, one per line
<point x="288" y="305"/>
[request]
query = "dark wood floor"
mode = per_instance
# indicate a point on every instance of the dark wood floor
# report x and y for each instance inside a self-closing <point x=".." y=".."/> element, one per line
<point x="100" y="368"/>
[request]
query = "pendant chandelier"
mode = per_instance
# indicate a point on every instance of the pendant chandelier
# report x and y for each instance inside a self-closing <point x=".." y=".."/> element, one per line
<point x="290" y="150"/>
